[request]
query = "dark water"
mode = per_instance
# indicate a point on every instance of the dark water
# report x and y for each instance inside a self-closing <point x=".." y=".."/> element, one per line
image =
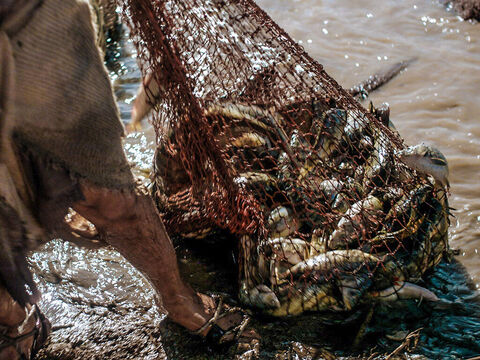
<point x="103" y="309"/>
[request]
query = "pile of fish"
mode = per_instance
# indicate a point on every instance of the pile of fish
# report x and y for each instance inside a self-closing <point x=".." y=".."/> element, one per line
<point x="350" y="217"/>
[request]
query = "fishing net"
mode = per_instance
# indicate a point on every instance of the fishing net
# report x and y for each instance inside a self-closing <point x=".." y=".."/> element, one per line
<point x="256" y="139"/>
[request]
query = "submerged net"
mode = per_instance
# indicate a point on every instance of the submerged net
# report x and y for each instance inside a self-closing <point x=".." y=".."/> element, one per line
<point x="255" y="138"/>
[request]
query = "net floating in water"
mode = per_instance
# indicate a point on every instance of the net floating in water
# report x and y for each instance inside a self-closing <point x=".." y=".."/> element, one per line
<point x="256" y="139"/>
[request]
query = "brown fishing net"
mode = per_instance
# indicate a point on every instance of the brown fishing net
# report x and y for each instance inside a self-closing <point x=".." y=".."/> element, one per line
<point x="255" y="138"/>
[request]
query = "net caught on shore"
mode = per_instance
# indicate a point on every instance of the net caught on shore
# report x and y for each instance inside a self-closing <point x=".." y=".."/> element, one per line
<point x="328" y="207"/>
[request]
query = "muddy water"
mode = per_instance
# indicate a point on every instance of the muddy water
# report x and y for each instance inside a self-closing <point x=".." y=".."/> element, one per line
<point x="95" y="298"/>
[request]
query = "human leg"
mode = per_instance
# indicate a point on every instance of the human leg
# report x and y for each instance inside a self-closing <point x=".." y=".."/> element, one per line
<point x="129" y="221"/>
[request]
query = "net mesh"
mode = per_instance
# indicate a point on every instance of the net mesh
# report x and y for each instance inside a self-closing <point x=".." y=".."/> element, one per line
<point x="255" y="138"/>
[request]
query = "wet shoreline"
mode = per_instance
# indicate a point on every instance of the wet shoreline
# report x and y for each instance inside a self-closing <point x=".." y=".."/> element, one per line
<point x="100" y="307"/>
